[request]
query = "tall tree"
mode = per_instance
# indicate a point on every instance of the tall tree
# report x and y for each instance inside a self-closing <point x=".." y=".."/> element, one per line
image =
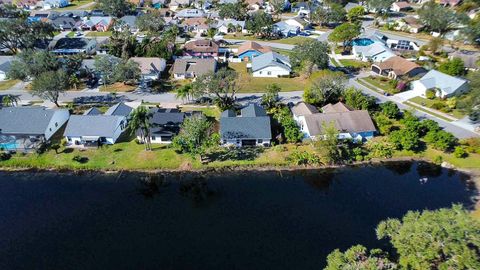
<point x="152" y="22"/>
<point x="326" y="89"/>
<point x="436" y="17"/>
<point x="345" y="33"/>
<point x="333" y="13"/>
<point x="454" y="67"/>
<point x="127" y="71"/>
<point x="106" y="66"/>
<point x="222" y="85"/>
<point x="117" y="8"/>
<point x="237" y="10"/>
<point x="122" y="44"/>
<point x="140" y="122"/>
<point x="310" y="54"/>
<point x="18" y="34"/>
<point x="355" y="14"/>
<point x="194" y="136"/>
<point x="271" y="98"/>
<point x="379" y="7"/>
<point x="29" y="64"/>
<point x="50" y="84"/>
<point x="440" y="239"/>
<point x="260" y="24"/>
<point x="327" y="144"/>
<point x="10" y="100"/>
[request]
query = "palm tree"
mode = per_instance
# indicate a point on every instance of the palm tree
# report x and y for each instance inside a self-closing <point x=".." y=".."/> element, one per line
<point x="211" y="32"/>
<point x="184" y="92"/>
<point x="140" y="120"/>
<point x="73" y="80"/>
<point x="10" y="100"/>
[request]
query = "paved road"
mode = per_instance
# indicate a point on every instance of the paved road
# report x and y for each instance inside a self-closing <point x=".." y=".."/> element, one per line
<point x="452" y="127"/>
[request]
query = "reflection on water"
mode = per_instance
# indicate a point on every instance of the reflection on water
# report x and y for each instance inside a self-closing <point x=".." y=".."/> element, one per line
<point x="238" y="220"/>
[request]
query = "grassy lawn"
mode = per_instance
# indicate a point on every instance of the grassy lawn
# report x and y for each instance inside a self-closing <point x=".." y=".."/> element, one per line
<point x="249" y="84"/>
<point x="334" y="62"/>
<point x="117" y="87"/>
<point x="420" y="108"/>
<point x="76" y="5"/>
<point x="132" y="156"/>
<point x="353" y="63"/>
<point x="99" y="34"/>
<point x="382" y="83"/>
<point x="5" y="85"/>
<point x="209" y="111"/>
<point x="290" y="40"/>
<point x="71" y="34"/>
<point x="429" y="103"/>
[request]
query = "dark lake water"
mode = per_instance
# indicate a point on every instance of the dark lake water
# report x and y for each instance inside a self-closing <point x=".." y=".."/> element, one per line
<point x="250" y="220"/>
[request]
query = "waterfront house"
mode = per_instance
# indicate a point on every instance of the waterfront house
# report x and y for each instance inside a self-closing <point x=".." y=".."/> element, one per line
<point x="193" y="67"/>
<point x="250" y="128"/>
<point x="271" y="64"/>
<point x="251" y="49"/>
<point x="396" y="67"/>
<point x="201" y="48"/>
<point x="302" y="108"/>
<point x="28" y="128"/>
<point x="93" y="129"/>
<point x="150" y="67"/>
<point x="443" y="84"/>
<point x="165" y="124"/>
<point x="351" y="124"/>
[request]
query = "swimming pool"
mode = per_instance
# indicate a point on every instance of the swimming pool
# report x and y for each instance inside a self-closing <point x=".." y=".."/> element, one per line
<point x="362" y="42"/>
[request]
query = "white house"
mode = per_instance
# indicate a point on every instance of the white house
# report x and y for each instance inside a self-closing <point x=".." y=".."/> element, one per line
<point x="376" y="52"/>
<point x="229" y="26"/>
<point x="271" y="64"/>
<point x="5" y="64"/>
<point x="443" y="84"/>
<point x="299" y="22"/>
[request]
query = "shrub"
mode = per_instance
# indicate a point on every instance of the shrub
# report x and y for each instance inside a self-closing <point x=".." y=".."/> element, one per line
<point x="379" y="149"/>
<point x="440" y="140"/>
<point x="438" y="160"/>
<point x="80" y="159"/>
<point x="390" y="109"/>
<point x="401" y="86"/>
<point x="303" y="158"/>
<point x="5" y="156"/>
<point x="430" y="94"/>
<point x="438" y="106"/>
<point x="459" y="152"/>
<point x="357" y="153"/>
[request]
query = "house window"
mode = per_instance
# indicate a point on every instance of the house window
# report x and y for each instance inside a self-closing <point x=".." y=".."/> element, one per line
<point x="238" y="141"/>
<point x="50" y="129"/>
<point x="56" y="124"/>
<point x="269" y="73"/>
<point x="260" y="72"/>
<point x="260" y="141"/>
<point x="153" y="138"/>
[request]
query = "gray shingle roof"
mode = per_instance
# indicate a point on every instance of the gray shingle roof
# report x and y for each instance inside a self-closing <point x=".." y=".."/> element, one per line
<point x="270" y="59"/>
<point x="166" y="116"/>
<point x="351" y="122"/>
<point x="25" y="120"/>
<point x="119" y="109"/>
<point x="436" y="79"/>
<point x="92" y="111"/>
<point x="198" y="66"/>
<point x="252" y="124"/>
<point x="93" y="125"/>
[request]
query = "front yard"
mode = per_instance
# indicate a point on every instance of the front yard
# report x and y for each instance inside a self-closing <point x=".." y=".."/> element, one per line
<point x="249" y="84"/>
<point x="437" y="104"/>
<point x="5" y="85"/>
<point x="290" y="41"/>
<point x="77" y="4"/>
<point x="99" y="34"/>
<point x="117" y="87"/>
<point x="353" y="63"/>
<point x="381" y="83"/>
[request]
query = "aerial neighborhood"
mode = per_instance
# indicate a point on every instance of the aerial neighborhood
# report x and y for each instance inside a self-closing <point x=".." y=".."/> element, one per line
<point x="187" y="83"/>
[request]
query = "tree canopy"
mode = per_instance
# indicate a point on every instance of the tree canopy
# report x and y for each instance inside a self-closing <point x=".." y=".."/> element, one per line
<point x="454" y="67"/>
<point x="309" y="54"/>
<point x="345" y="33"/>
<point x="117" y="8"/>
<point x="48" y="85"/>
<point x="355" y="13"/>
<point x="260" y="24"/>
<point x="222" y="85"/>
<point x="195" y="135"/>
<point x="18" y="34"/>
<point x="359" y="258"/>
<point x="326" y="89"/>
<point x="379" y="7"/>
<point x="152" y="22"/>
<point x="436" y="17"/>
<point x="237" y="10"/>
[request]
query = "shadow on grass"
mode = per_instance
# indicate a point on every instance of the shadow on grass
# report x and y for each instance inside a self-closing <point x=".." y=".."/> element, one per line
<point x="67" y="150"/>
<point x="224" y="154"/>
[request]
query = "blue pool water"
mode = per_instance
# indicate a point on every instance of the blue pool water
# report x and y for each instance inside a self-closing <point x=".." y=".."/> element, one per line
<point x="362" y="42"/>
<point x="8" y="146"/>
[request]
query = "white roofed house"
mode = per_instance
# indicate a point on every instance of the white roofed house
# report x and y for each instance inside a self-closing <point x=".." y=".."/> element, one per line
<point x="271" y="64"/>
<point x="28" y="128"/>
<point x="299" y="22"/>
<point x="93" y="129"/>
<point x="375" y="52"/>
<point x="443" y="84"/>
<point x="150" y="67"/>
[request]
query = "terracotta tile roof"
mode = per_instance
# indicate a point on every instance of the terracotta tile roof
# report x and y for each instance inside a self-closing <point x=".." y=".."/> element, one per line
<point x="402" y="4"/>
<point x="250" y="45"/>
<point x="399" y="65"/>
<point x="202" y="46"/>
